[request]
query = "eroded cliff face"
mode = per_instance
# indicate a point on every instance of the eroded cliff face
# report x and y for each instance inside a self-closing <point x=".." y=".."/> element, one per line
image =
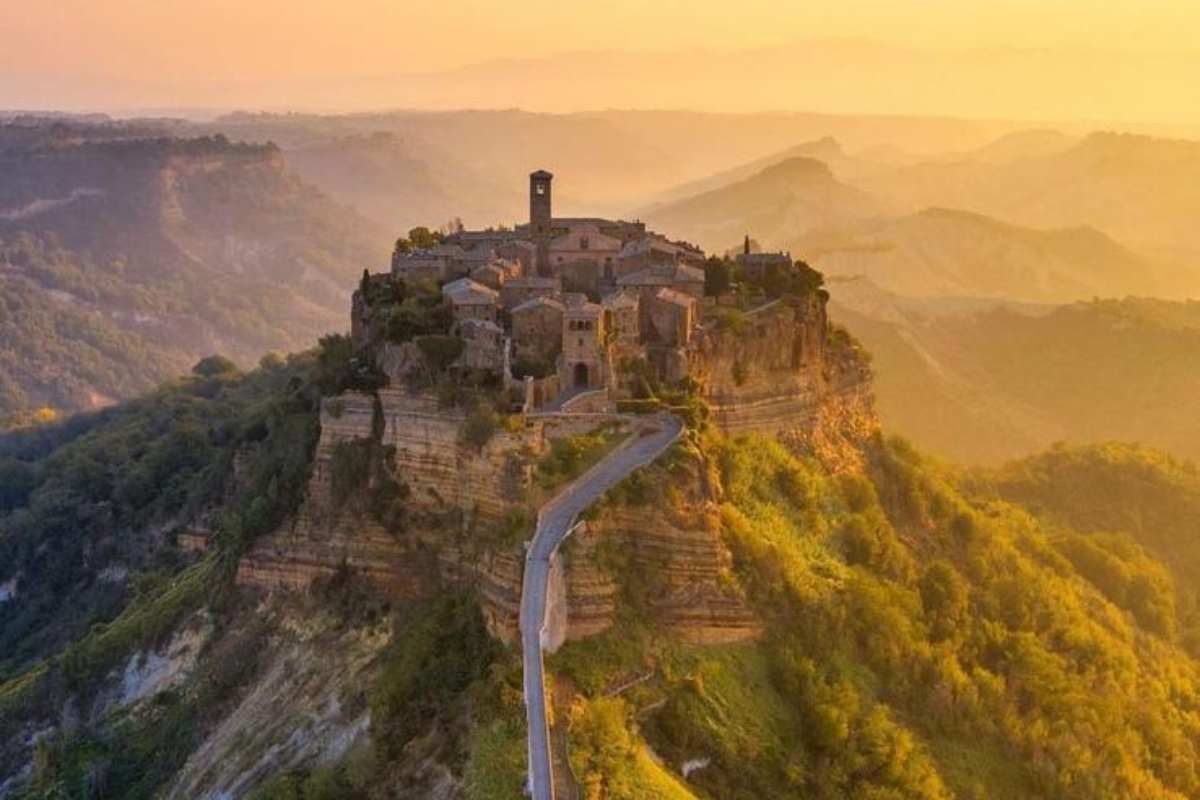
<point x="664" y="553"/>
<point x="450" y="492"/>
<point x="780" y="369"/>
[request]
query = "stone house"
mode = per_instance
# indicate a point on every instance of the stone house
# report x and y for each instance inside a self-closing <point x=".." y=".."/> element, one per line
<point x="484" y="345"/>
<point x="584" y="361"/>
<point x="522" y="252"/>
<point x="584" y="243"/>
<point x="439" y="263"/>
<point x="672" y="317"/>
<point x="517" y="290"/>
<point x="471" y="300"/>
<point x="494" y="273"/>
<point x="654" y="250"/>
<point x="680" y="277"/>
<point x="537" y="329"/>
<point x="622" y="308"/>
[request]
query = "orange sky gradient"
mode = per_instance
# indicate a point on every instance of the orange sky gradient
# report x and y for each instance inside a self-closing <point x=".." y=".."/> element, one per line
<point x="1055" y="59"/>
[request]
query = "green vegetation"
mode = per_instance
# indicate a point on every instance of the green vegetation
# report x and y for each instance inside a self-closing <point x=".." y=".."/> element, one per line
<point x="419" y="238"/>
<point x="434" y="658"/>
<point x="571" y="456"/>
<point x="133" y="754"/>
<point x="123" y="291"/>
<point x="609" y="762"/>
<point x="987" y="386"/>
<point x="99" y="491"/>
<point x="925" y="637"/>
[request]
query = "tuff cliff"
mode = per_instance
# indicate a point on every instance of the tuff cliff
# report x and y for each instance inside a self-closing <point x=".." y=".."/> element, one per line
<point x="780" y="368"/>
<point x="464" y="509"/>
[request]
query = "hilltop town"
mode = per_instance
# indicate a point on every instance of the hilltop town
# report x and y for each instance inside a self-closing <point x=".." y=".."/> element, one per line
<point x="573" y="313"/>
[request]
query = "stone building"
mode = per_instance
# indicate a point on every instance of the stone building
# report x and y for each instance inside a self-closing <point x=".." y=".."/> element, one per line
<point x="517" y="290"/>
<point x="680" y="277"/>
<point x="755" y="265"/>
<point x="537" y="329"/>
<point x="494" y="273"/>
<point x="653" y="250"/>
<point x="622" y="308"/>
<point x="484" y="345"/>
<point x="583" y="257"/>
<point x="672" y="317"/>
<point x="584" y="363"/>
<point x="471" y="300"/>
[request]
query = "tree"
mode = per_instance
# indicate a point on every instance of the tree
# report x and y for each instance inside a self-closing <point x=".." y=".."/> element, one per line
<point x="718" y="277"/>
<point x="421" y="238"/>
<point x="214" y="365"/>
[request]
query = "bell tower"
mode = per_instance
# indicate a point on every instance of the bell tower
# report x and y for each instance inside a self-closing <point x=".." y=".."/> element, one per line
<point x="539" y="202"/>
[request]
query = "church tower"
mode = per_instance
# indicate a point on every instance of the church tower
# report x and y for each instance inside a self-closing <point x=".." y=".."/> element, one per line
<point x="539" y="202"/>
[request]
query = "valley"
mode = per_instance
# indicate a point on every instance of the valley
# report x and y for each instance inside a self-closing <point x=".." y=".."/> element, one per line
<point x="833" y="469"/>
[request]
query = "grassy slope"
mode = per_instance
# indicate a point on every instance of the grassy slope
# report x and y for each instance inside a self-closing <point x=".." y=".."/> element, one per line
<point x="925" y="639"/>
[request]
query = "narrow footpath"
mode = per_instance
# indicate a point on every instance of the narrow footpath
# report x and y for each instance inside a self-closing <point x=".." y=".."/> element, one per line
<point x="555" y="521"/>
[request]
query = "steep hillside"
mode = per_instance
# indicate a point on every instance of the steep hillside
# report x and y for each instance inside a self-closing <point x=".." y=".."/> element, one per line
<point x="907" y="631"/>
<point x="123" y="259"/>
<point x="774" y="205"/>
<point x="941" y="252"/>
<point x="979" y="381"/>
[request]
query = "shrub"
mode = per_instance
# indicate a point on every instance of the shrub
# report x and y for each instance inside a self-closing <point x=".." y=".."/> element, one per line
<point x="214" y="365"/>
<point x="479" y="427"/>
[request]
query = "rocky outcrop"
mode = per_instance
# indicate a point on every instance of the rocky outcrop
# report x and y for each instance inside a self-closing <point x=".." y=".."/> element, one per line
<point x="326" y="535"/>
<point x="779" y="369"/>
<point x="685" y="566"/>
<point x="455" y="493"/>
<point x="442" y="472"/>
<point x="667" y="556"/>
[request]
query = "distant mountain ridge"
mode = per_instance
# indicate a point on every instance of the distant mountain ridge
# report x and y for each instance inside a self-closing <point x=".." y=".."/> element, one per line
<point x="796" y="194"/>
<point x="941" y="252"/>
<point x="987" y="380"/>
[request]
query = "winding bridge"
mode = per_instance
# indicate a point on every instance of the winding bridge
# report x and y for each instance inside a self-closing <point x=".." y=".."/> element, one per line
<point x="555" y="522"/>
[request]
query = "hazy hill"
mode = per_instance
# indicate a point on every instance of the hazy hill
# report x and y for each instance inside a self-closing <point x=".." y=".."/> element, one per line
<point x="984" y="381"/>
<point x="123" y="259"/>
<point x="402" y="184"/>
<point x="1142" y="190"/>
<point x="826" y="150"/>
<point x="1019" y="145"/>
<point x="942" y="252"/>
<point x="605" y="161"/>
<point x="773" y="205"/>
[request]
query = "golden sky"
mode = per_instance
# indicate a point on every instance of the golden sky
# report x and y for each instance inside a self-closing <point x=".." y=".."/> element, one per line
<point x="272" y="53"/>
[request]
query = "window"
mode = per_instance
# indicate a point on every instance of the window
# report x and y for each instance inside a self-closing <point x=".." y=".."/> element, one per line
<point x="583" y="243"/>
<point x="540" y="188"/>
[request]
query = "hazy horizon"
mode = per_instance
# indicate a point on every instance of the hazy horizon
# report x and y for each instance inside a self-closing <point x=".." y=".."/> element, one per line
<point x="1037" y="62"/>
